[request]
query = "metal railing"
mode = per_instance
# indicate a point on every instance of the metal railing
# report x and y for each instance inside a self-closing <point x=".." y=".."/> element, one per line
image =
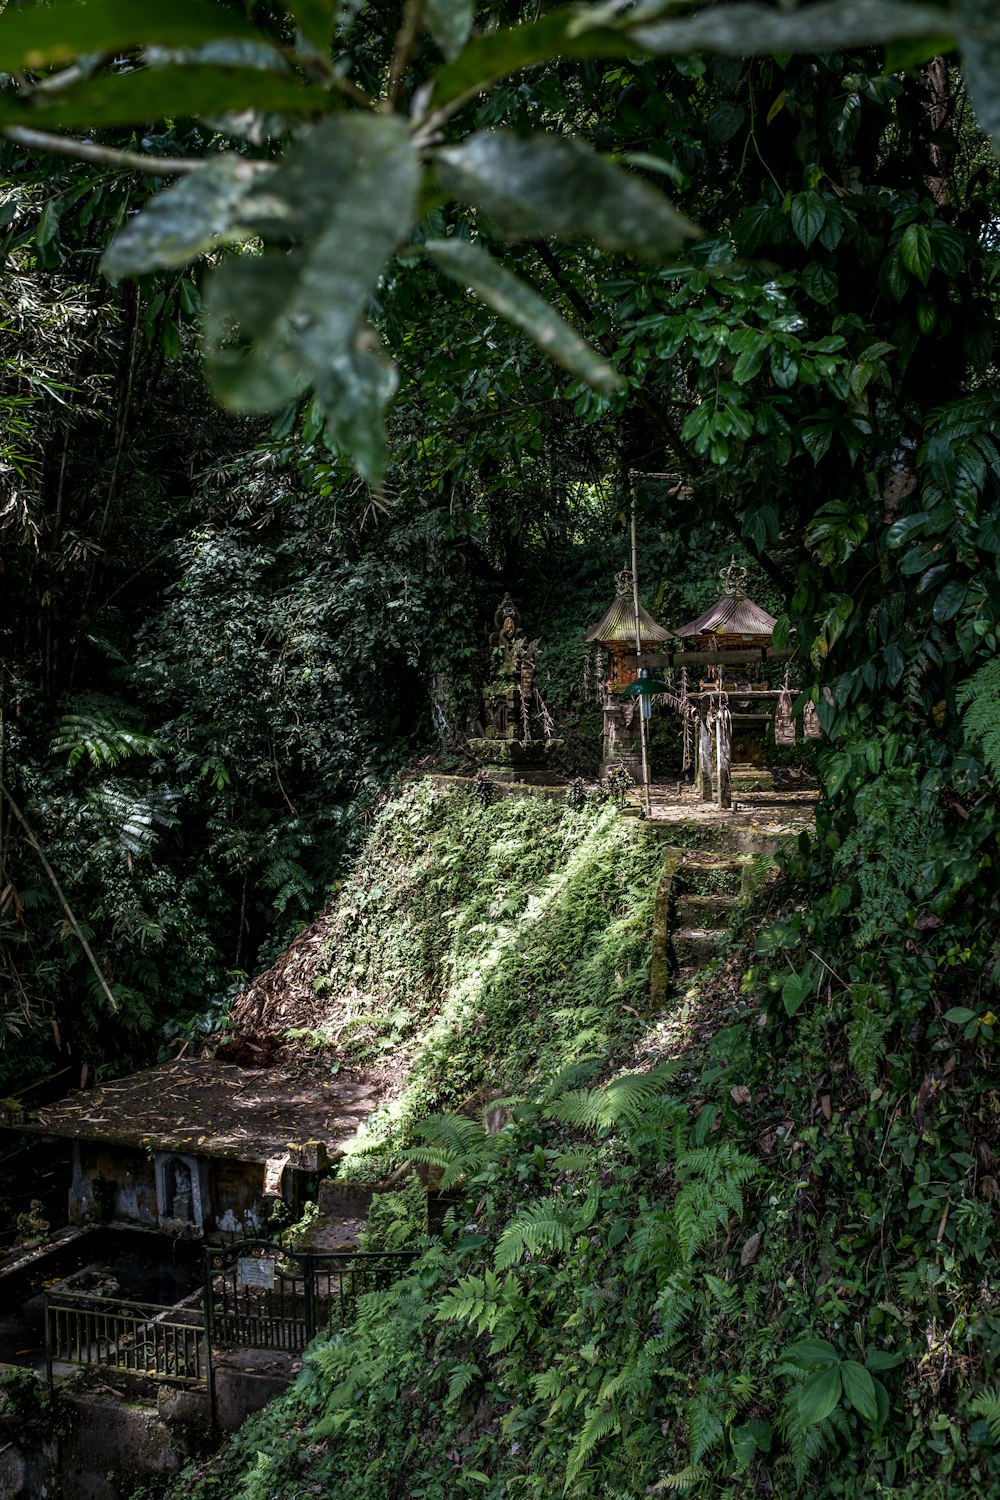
<point x="262" y="1296"/>
<point x="164" y="1343"/>
<point x="256" y="1295"/>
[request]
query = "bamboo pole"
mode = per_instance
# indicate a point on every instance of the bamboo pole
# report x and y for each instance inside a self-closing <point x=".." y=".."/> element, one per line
<point x="638" y="650"/>
<point x="67" y="909"/>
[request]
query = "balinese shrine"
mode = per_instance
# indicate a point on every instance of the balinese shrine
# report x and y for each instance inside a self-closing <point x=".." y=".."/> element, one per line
<point x="616" y="635"/>
<point x="734" y="633"/>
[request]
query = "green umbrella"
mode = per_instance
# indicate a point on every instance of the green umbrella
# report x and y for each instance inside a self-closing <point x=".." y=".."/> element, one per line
<point x="645" y="686"/>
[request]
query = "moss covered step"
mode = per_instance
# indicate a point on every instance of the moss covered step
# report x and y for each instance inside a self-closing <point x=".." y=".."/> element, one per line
<point x="695" y="909"/>
<point x="696" y="945"/>
<point x="704" y="874"/>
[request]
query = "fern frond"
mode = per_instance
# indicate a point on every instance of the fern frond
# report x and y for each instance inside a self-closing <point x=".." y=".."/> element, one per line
<point x="684" y="1479"/>
<point x="571" y="1076"/>
<point x="979" y="698"/>
<point x="460" y="1147"/>
<point x="541" y="1229"/>
<point x="101" y="736"/>
<point x="597" y="1426"/>
<point x="575" y="1161"/>
<point x="462" y="1377"/>
<point x="673" y="1306"/>
<point x="474" y="1301"/>
<point x="987" y="1406"/>
<point x="704" y="1417"/>
<point x="549" y="1384"/>
<point x="621" y="1101"/>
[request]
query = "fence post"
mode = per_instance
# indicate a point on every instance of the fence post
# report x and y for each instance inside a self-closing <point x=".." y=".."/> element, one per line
<point x="207" y="1330"/>
<point x="308" y="1264"/>
<point x="48" y="1344"/>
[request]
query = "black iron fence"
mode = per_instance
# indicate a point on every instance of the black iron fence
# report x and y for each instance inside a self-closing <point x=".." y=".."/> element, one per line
<point x="165" y="1343"/>
<point x="256" y="1295"/>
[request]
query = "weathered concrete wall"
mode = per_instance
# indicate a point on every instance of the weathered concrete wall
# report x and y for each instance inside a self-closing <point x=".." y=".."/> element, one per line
<point x="234" y="1186"/>
<point x="247" y="1379"/>
<point x="111" y="1182"/>
<point x="29" y="1470"/>
<point x="113" y="1444"/>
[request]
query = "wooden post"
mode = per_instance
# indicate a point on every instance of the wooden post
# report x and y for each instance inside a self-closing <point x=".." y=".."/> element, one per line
<point x="686" y="746"/>
<point x="704" y="752"/>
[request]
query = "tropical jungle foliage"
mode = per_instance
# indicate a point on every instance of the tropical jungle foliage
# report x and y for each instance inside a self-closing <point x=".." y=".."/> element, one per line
<point x="749" y="250"/>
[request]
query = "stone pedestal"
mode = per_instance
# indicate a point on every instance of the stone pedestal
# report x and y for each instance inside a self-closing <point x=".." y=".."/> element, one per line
<point x="622" y="739"/>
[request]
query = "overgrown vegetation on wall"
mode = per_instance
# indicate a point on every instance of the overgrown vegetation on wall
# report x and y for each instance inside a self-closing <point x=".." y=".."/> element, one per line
<point x="762" y="1264"/>
<point x="493" y="945"/>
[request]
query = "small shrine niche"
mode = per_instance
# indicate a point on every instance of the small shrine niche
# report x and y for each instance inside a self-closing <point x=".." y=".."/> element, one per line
<point x="518" y="726"/>
<point x="615" y="633"/>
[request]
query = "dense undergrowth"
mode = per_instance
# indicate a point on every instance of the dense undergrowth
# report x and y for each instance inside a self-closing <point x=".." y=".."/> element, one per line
<point x="767" y="1266"/>
<point x="491" y="944"/>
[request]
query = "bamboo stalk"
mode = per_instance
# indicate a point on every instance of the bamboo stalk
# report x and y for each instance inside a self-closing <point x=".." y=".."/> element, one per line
<point x="638" y="652"/>
<point x="67" y="909"/>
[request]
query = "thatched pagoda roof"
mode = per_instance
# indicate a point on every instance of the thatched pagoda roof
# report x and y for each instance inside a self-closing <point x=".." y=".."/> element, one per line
<point x="733" y="614"/>
<point x="616" y="627"/>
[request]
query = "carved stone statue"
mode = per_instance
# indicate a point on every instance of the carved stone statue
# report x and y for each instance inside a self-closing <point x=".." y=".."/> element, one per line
<point x="511" y="696"/>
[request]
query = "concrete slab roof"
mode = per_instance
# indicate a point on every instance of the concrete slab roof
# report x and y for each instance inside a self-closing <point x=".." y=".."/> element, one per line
<point x="207" y="1108"/>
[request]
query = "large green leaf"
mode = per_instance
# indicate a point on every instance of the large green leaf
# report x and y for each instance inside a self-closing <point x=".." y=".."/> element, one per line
<point x="950" y="600"/>
<point x="171" y="92"/>
<point x="808" y="215"/>
<point x="44" y="36"/>
<point x="532" y="186"/>
<point x="820" y="1394"/>
<point x="449" y="23"/>
<point x="811" y="1354"/>
<point x="859" y="1389"/>
<point x="487" y="59"/>
<point x="346" y="197"/>
<point x="197" y="214"/>
<point x="915" y="252"/>
<point x="353" y="392"/>
<point x="752" y="30"/>
<point x="519" y="304"/>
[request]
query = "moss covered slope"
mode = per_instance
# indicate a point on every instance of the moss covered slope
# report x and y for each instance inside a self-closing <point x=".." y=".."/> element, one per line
<point x="489" y="944"/>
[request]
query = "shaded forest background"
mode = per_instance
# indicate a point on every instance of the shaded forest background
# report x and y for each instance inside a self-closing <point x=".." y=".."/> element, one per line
<point x="219" y="642"/>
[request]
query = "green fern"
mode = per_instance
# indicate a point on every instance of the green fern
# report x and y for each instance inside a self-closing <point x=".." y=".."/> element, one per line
<point x="459" y="1147"/>
<point x="571" y="1076"/>
<point x="716" y="1175"/>
<point x="101" y="736"/>
<point x="653" y="1242"/>
<point x="549" y="1384"/>
<point x="987" y="1406"/>
<point x="675" y="1484"/>
<point x="474" y="1301"/>
<point x="598" y="1425"/>
<point x="704" y="1416"/>
<point x="621" y="1101"/>
<point x="541" y="1230"/>
<point x="979" y="697"/>
<point x="462" y="1377"/>
<point x="866" y="1031"/>
<point x="673" y="1306"/>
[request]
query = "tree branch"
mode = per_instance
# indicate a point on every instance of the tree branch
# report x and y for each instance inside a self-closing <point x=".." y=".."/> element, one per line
<point x="129" y="161"/>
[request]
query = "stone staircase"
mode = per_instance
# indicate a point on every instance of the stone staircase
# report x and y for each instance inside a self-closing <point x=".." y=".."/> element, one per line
<point x="704" y="889"/>
<point x="711" y="865"/>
